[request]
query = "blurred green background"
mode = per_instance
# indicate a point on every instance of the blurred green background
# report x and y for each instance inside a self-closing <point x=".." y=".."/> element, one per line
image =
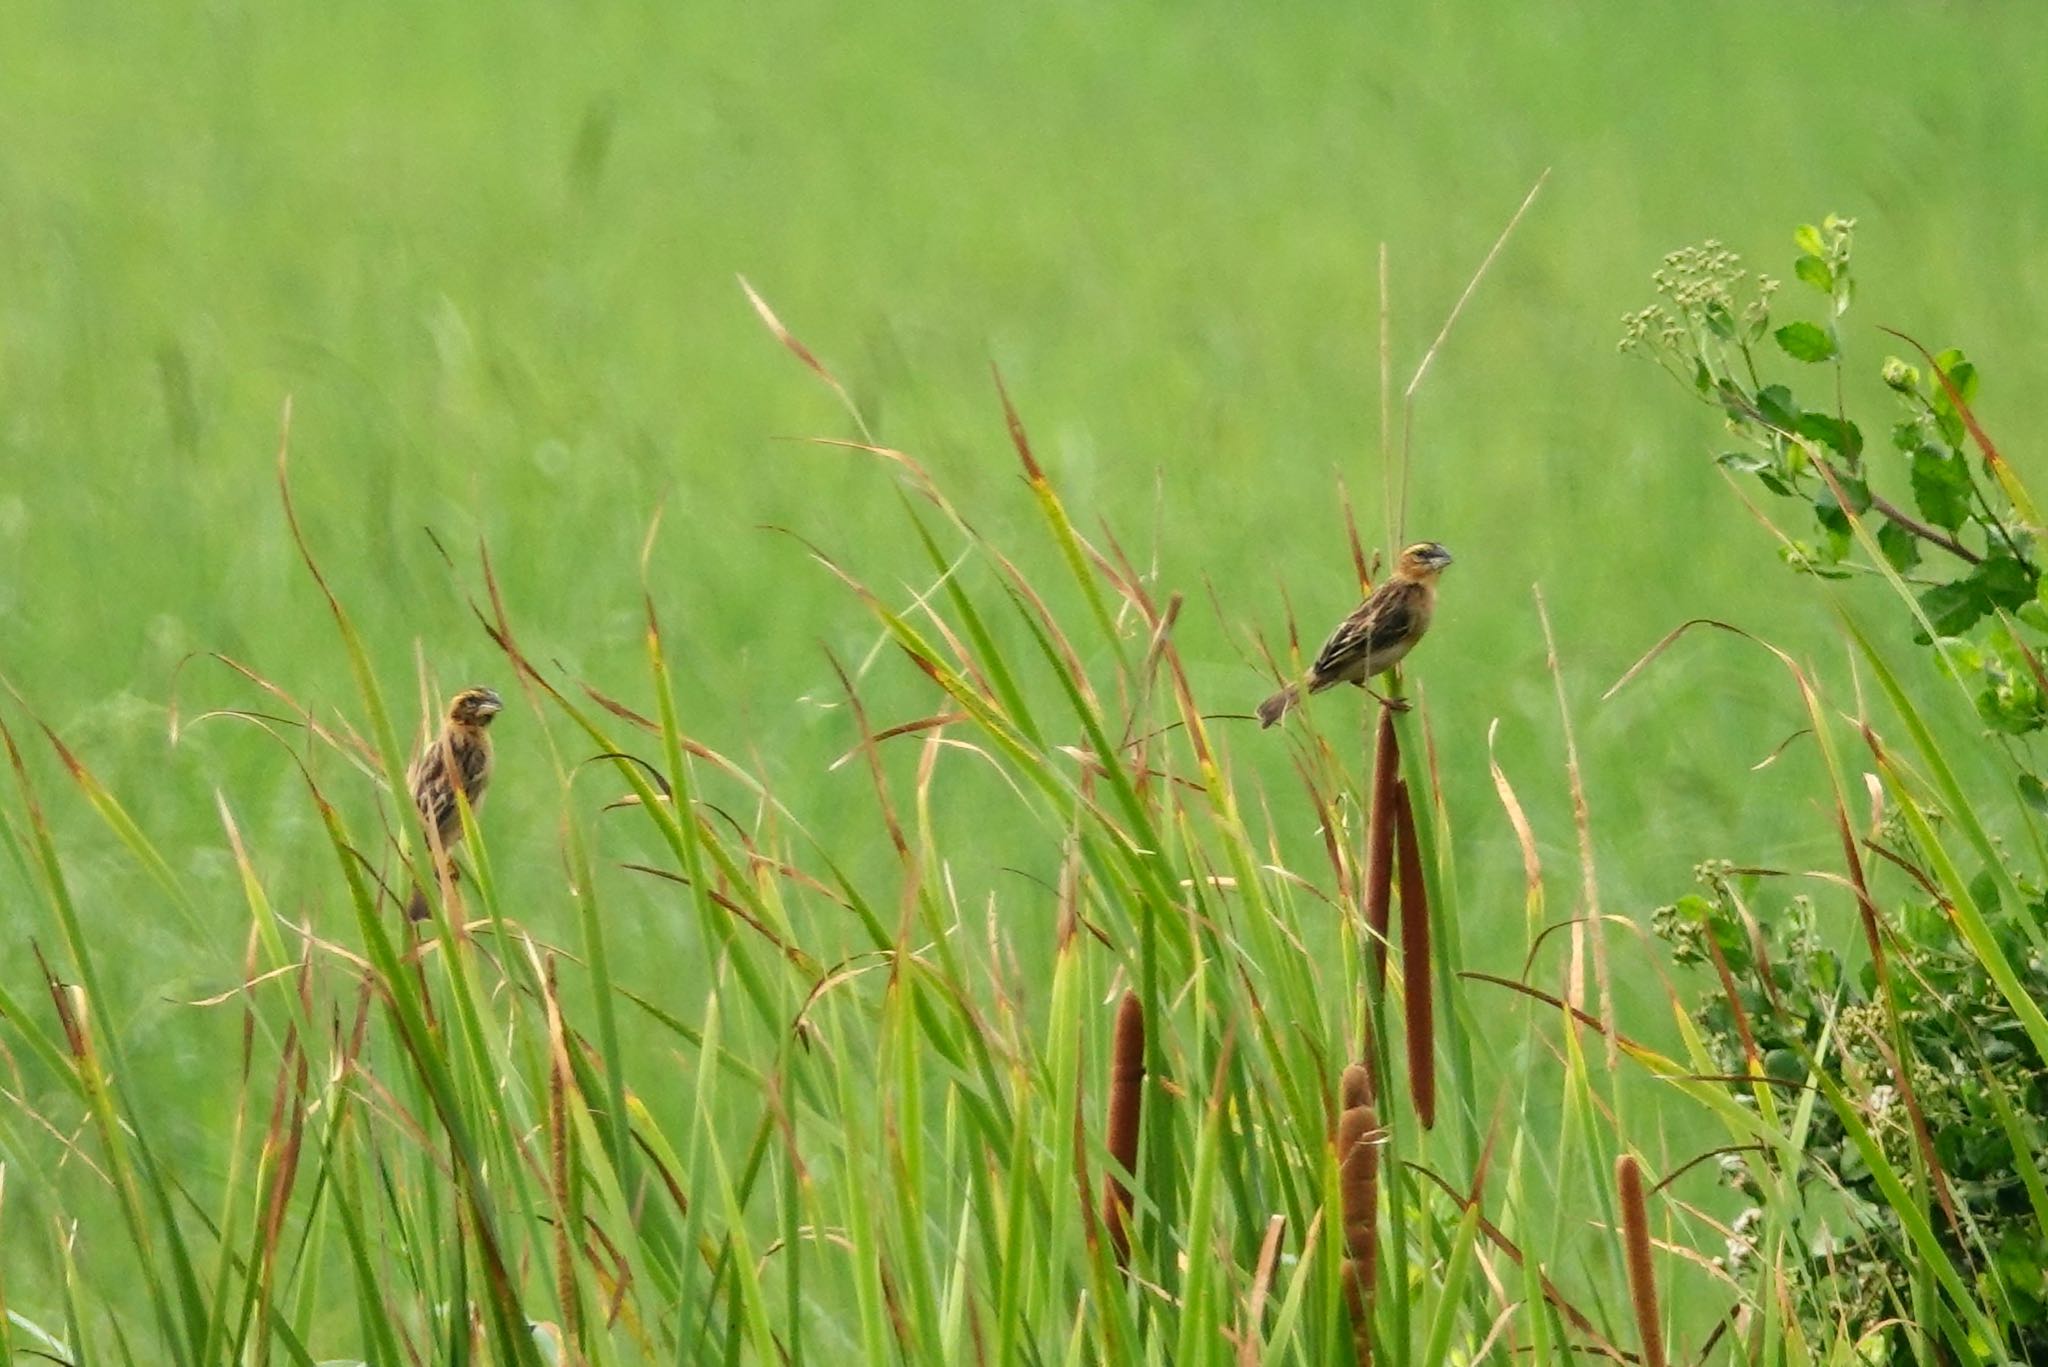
<point x="490" y="252"/>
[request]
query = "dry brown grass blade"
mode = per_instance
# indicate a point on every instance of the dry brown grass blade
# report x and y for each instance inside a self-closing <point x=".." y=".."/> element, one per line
<point x="1734" y="1000"/>
<point x="282" y="1142"/>
<point x="1255" y="1299"/>
<point x="1326" y="825"/>
<point x="1191" y="715"/>
<point x="1417" y="990"/>
<point x="1923" y="1137"/>
<point x="874" y="760"/>
<point x="734" y="909"/>
<point x="1582" y="820"/>
<point x="1126" y="1109"/>
<point x="291" y="513"/>
<point x="1472" y="285"/>
<point x="908" y="728"/>
<point x="497" y="625"/>
<point x="1993" y="461"/>
<point x="346" y="743"/>
<point x="621" y="711"/>
<point x="1778" y="751"/>
<point x="1069" y="657"/>
<point x="1583" y="1017"/>
<point x="69" y="1003"/>
<point x="799" y="350"/>
<point x="1032" y="470"/>
<point x="1359" y="565"/>
<point x="1386" y="359"/>
<point x="1379" y="844"/>
<point x="1443" y="333"/>
<point x="1518" y="820"/>
<point x="1642" y="1277"/>
<point x="1665" y="642"/>
<point x="1358" y="1185"/>
<point x="1123" y="575"/>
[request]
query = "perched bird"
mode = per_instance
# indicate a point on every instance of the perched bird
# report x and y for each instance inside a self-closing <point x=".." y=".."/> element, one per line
<point x="457" y="760"/>
<point x="1384" y="628"/>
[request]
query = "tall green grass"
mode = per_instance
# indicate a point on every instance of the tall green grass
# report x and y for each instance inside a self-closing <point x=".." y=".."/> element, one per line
<point x="1213" y="1131"/>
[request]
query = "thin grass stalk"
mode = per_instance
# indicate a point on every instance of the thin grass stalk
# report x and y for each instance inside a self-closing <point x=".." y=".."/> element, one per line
<point x="1358" y="1160"/>
<point x="1418" y="995"/>
<point x="1126" y="1110"/>
<point x="1642" y="1276"/>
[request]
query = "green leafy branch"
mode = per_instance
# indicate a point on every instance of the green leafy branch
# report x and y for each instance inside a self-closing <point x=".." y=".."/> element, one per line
<point x="1711" y="328"/>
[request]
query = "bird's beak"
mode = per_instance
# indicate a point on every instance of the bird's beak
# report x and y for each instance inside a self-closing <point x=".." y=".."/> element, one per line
<point x="490" y="705"/>
<point x="1442" y="557"/>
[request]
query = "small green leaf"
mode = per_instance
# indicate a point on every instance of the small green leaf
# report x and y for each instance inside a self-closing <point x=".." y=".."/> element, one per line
<point x="1844" y="436"/>
<point x="1743" y="462"/>
<point x="1961" y="374"/>
<point x="1950" y="424"/>
<point x="1792" y="457"/>
<point x="1856" y="491"/>
<point x="1719" y="321"/>
<point x="1806" y="342"/>
<point x="1775" y="402"/>
<point x="1835" y="524"/>
<point x="1900" y="546"/>
<point x="1962" y="658"/>
<point x="1954" y="608"/>
<point x="2005" y="581"/>
<point x="1822" y="562"/>
<point x="1815" y="272"/>
<point x="1734" y="402"/>
<point x="2013" y="708"/>
<point x="1941" y="487"/>
<point x="1808" y="239"/>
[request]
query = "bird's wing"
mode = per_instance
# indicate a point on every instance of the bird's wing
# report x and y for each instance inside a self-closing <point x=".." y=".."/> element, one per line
<point x="1387" y="617"/>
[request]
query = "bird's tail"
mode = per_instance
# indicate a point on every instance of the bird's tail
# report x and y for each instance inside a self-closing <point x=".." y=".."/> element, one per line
<point x="1275" y="707"/>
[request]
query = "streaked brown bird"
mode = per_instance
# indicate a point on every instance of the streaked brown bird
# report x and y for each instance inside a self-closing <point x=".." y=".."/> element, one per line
<point x="457" y="760"/>
<point x="1378" y="635"/>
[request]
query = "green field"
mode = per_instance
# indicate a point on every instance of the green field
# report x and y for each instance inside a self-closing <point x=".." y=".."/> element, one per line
<point x="490" y="256"/>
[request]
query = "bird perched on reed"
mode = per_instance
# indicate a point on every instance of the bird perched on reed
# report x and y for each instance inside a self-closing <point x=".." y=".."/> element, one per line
<point x="1383" y="629"/>
<point x="457" y="760"/>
